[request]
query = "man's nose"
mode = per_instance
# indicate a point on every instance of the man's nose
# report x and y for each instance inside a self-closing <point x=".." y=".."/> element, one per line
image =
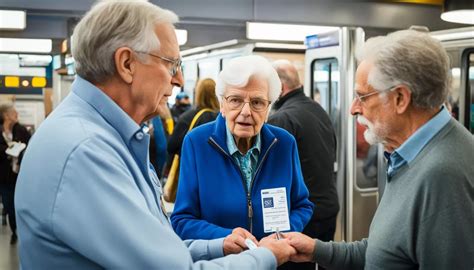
<point x="355" y="107"/>
<point x="178" y="80"/>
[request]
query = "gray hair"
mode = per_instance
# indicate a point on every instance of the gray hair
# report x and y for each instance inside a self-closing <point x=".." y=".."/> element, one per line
<point x="240" y="69"/>
<point x="413" y="59"/>
<point x="110" y="25"/>
<point x="287" y="73"/>
<point x="5" y="107"/>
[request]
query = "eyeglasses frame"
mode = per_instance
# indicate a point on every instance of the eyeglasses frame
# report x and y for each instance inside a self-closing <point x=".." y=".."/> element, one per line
<point x="243" y="103"/>
<point x="361" y="98"/>
<point x="177" y="63"/>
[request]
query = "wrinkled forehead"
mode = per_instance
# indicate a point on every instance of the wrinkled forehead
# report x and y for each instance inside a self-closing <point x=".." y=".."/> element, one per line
<point x="168" y="40"/>
<point x="362" y="74"/>
<point x="256" y="86"/>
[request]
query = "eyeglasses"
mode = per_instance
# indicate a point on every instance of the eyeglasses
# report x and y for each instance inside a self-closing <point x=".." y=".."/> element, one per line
<point x="256" y="104"/>
<point x="176" y="63"/>
<point x="361" y="98"/>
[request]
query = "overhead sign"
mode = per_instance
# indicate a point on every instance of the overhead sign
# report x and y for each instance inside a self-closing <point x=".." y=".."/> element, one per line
<point x="24" y="82"/>
<point x="322" y="40"/>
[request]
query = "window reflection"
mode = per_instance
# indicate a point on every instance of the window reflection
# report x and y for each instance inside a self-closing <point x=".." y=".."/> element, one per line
<point x="470" y="86"/>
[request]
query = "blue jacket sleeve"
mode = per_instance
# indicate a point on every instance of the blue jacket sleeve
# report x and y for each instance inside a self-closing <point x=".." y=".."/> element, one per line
<point x="301" y="209"/>
<point x="186" y="217"/>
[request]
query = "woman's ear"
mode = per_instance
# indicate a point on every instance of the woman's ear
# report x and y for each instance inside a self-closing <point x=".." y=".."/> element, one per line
<point x="125" y="62"/>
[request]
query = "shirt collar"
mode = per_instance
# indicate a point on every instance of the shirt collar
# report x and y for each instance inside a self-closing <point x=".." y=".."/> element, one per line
<point x="233" y="147"/>
<point x="106" y="107"/>
<point x="416" y="142"/>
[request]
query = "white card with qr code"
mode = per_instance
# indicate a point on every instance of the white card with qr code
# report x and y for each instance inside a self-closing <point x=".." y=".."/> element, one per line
<point x="275" y="210"/>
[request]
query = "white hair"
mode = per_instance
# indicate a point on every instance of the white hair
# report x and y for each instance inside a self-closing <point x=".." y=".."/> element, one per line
<point x="112" y="24"/>
<point x="409" y="58"/>
<point x="240" y="69"/>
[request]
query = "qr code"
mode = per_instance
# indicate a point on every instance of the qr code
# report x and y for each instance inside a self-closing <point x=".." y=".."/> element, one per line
<point x="267" y="202"/>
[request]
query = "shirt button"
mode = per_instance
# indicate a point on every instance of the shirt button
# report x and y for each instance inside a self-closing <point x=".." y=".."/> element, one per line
<point x="139" y="136"/>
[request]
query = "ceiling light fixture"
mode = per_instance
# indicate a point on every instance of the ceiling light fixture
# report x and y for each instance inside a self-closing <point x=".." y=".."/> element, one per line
<point x="182" y="36"/>
<point x="12" y="20"/>
<point x="458" y="11"/>
<point x="284" y="32"/>
<point x="26" y="45"/>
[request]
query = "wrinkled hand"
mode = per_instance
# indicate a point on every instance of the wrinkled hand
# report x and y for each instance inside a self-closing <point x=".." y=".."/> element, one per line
<point x="282" y="249"/>
<point x="235" y="243"/>
<point x="303" y="244"/>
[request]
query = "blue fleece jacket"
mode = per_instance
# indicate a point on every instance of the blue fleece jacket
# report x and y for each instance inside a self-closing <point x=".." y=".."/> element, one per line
<point x="212" y="197"/>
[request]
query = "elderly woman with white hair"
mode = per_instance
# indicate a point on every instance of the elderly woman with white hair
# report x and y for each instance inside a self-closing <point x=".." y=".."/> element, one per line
<point x="238" y="172"/>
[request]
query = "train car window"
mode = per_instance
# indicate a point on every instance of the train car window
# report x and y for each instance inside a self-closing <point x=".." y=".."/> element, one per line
<point x="470" y="88"/>
<point x="452" y="103"/>
<point x="209" y="68"/>
<point x="190" y="74"/>
<point x="325" y="84"/>
<point x="466" y="88"/>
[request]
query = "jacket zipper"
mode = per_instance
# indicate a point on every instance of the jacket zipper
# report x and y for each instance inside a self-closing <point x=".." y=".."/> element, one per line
<point x="249" y="199"/>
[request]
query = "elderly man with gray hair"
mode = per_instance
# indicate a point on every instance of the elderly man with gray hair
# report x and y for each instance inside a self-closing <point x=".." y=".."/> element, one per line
<point x="426" y="215"/>
<point x="87" y="196"/>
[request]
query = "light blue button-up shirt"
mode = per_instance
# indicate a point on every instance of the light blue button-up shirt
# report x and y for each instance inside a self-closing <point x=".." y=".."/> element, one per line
<point x="87" y="197"/>
<point x="247" y="162"/>
<point x="408" y="151"/>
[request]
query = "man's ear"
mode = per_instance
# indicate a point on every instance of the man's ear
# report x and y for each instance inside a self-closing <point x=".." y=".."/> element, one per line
<point x="125" y="62"/>
<point x="403" y="98"/>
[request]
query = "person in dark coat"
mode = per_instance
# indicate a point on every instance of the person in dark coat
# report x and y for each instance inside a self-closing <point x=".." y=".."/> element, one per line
<point x="309" y="123"/>
<point x="205" y="99"/>
<point x="12" y="132"/>
<point x="182" y="104"/>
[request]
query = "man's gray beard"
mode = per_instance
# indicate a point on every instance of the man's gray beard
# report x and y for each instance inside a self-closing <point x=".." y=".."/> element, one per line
<point x="369" y="134"/>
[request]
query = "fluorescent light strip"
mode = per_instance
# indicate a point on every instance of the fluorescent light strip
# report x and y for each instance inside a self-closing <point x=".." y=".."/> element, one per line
<point x="454" y="36"/>
<point x="465" y="16"/>
<point x="210" y="47"/>
<point x="25" y="45"/>
<point x="12" y="20"/>
<point x="182" y="36"/>
<point x="284" y="32"/>
<point x="280" y="46"/>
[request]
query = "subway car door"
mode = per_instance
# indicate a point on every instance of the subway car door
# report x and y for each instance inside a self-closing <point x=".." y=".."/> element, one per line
<point x="459" y="44"/>
<point x="330" y="68"/>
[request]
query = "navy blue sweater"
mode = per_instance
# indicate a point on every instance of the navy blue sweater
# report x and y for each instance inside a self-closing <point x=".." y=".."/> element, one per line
<point x="212" y="198"/>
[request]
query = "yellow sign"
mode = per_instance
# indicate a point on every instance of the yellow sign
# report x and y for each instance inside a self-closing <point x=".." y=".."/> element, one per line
<point x="38" y="82"/>
<point x="12" y="81"/>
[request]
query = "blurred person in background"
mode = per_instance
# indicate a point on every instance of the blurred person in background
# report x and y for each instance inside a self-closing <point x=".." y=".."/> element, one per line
<point x="162" y="127"/>
<point x="182" y="104"/>
<point x="205" y="99"/>
<point x="12" y="133"/>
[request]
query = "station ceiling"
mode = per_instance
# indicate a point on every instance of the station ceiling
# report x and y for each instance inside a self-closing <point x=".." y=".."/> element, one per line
<point x="210" y="21"/>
